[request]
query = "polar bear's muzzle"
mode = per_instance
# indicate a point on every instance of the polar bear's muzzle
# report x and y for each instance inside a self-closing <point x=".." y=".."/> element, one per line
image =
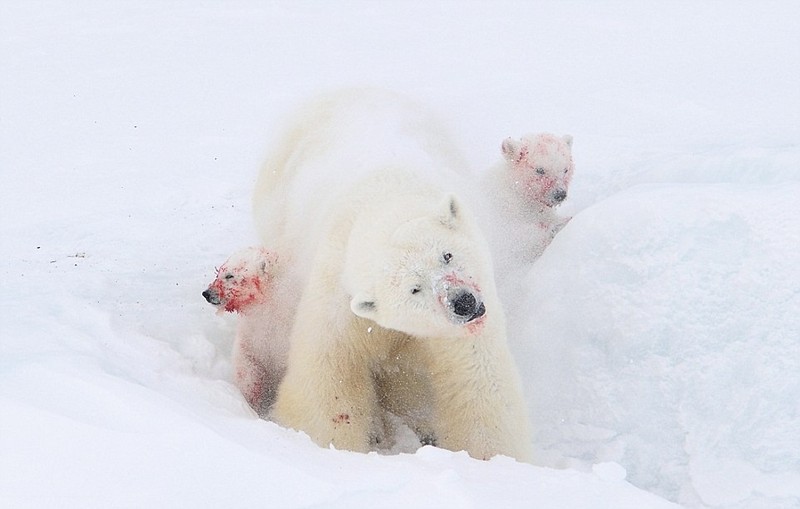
<point x="212" y="296"/>
<point x="464" y="305"/>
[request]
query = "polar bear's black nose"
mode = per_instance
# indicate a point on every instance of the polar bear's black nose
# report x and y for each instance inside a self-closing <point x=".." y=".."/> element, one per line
<point x="559" y="195"/>
<point x="465" y="305"/>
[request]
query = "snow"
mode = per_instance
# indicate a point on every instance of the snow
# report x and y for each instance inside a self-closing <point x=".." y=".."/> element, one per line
<point x="686" y="342"/>
<point x="659" y="334"/>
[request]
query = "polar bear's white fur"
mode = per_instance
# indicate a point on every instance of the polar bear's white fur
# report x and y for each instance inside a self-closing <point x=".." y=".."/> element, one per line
<point x="399" y="307"/>
<point x="525" y="188"/>
<point x="251" y="284"/>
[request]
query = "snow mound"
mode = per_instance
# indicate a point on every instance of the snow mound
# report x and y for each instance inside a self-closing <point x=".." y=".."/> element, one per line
<point x="664" y="335"/>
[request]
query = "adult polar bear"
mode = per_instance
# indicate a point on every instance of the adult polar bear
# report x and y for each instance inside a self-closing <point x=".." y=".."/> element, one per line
<point x="398" y="307"/>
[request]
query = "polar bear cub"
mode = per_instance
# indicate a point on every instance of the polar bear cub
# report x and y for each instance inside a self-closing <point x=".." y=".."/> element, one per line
<point x="251" y="284"/>
<point x="525" y="189"/>
<point x="394" y="272"/>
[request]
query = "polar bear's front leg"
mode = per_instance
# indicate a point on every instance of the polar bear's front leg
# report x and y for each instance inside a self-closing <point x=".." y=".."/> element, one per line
<point x="256" y="377"/>
<point x="479" y="403"/>
<point x="328" y="391"/>
<point x="404" y="387"/>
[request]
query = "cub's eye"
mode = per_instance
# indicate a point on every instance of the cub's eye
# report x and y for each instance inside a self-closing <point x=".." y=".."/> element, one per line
<point x="415" y="290"/>
<point x="228" y="276"/>
<point x="446" y="257"/>
<point x="566" y="170"/>
<point x="539" y="171"/>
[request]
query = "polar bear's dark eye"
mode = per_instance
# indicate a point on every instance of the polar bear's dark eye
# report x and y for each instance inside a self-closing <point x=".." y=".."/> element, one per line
<point x="540" y="171"/>
<point x="415" y="290"/>
<point x="447" y="257"/>
<point x="228" y="276"/>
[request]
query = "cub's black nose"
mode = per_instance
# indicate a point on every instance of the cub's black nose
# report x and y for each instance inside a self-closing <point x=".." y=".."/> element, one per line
<point x="559" y="195"/>
<point x="211" y="297"/>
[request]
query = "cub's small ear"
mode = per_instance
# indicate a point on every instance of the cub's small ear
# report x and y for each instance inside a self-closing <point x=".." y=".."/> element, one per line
<point x="511" y="149"/>
<point x="364" y="306"/>
<point x="450" y="211"/>
<point x="567" y="139"/>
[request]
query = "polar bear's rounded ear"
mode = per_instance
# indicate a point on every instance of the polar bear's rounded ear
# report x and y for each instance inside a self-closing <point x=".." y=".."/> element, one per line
<point x="511" y="149"/>
<point x="567" y="139"/>
<point x="450" y="211"/>
<point x="364" y="306"/>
